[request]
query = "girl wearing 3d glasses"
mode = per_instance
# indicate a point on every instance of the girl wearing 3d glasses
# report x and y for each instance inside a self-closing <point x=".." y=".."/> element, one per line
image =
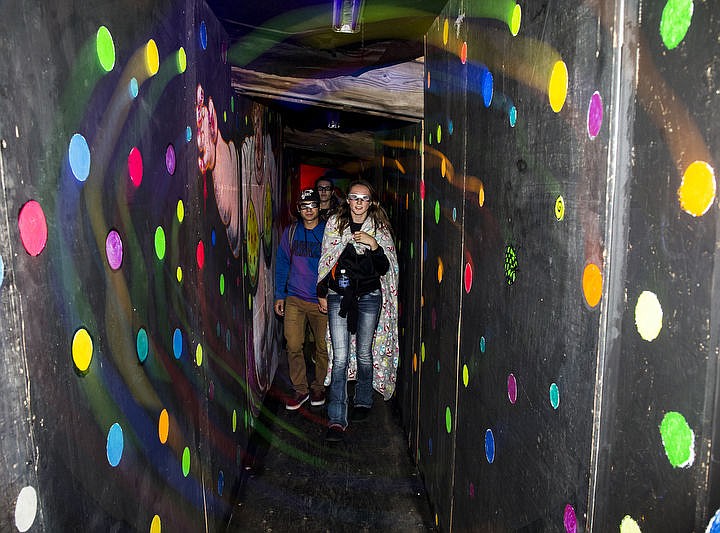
<point x="357" y="287"/>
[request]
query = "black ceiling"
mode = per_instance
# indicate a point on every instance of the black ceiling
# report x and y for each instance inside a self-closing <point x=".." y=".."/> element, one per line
<point x="295" y="38"/>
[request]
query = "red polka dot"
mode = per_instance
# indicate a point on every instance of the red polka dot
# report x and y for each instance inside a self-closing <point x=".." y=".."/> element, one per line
<point x="422" y="189"/>
<point x="33" y="228"/>
<point x="135" y="166"/>
<point x="463" y="53"/>
<point x="200" y="255"/>
<point x="468" y="278"/>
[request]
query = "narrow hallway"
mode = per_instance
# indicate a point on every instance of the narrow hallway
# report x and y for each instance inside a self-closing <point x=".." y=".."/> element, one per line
<point x="295" y="481"/>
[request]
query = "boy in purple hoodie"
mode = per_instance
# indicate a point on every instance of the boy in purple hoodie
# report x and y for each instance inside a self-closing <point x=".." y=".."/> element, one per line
<point x="296" y="270"/>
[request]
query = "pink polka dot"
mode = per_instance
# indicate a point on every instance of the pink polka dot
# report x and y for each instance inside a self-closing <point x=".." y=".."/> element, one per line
<point x="570" y="520"/>
<point x="468" y="278"/>
<point x="594" y="115"/>
<point x="135" y="166"/>
<point x="422" y="189"/>
<point x="33" y="228"/>
<point x="512" y="388"/>
<point x="200" y="255"/>
<point x="114" y="249"/>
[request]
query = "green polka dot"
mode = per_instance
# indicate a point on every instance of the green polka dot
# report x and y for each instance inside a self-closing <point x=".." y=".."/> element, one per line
<point x="448" y="420"/>
<point x="437" y="211"/>
<point x="678" y="439"/>
<point x="439" y="133"/>
<point x="422" y="352"/>
<point x="105" y="49"/>
<point x="675" y="21"/>
<point x="554" y="396"/>
<point x="181" y="60"/>
<point x="160" y="242"/>
<point x="234" y="421"/>
<point x="222" y="284"/>
<point x="186" y="461"/>
<point x="412" y="250"/>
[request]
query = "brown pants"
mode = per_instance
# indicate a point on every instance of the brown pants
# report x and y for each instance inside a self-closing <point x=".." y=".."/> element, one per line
<point x="297" y="312"/>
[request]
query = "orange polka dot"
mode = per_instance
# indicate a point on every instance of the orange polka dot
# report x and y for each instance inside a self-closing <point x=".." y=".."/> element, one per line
<point x="592" y="284"/>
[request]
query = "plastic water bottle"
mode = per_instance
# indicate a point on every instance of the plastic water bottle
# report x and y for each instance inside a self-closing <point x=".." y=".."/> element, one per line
<point x="343" y="279"/>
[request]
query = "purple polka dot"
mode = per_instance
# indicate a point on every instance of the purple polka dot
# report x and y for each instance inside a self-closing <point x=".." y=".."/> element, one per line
<point x="114" y="249"/>
<point x="570" y="520"/>
<point x="595" y="115"/>
<point x="512" y="388"/>
<point x="170" y="159"/>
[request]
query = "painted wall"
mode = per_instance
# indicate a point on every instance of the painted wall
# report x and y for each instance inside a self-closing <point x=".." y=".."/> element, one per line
<point x="568" y="375"/>
<point x="138" y="224"/>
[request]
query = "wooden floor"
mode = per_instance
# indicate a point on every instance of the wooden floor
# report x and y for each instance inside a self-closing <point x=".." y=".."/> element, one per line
<point x="295" y="481"/>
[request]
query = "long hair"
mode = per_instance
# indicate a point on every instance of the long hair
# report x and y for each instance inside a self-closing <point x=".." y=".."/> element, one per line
<point x="375" y="212"/>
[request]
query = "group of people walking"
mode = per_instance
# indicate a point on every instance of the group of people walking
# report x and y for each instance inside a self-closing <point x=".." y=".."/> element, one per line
<point x="336" y="270"/>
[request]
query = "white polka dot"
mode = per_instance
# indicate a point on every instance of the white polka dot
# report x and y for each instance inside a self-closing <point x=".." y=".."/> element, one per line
<point x="25" y="509"/>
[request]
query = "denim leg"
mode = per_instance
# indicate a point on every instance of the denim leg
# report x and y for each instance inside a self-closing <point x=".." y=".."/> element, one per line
<point x="368" y="314"/>
<point x="337" y="396"/>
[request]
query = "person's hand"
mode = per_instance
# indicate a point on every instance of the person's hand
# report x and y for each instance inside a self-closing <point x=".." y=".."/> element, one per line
<point x="366" y="239"/>
<point x="280" y="307"/>
<point x="322" y="305"/>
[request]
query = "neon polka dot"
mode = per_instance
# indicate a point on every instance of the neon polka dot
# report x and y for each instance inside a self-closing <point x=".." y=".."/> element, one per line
<point x="82" y="350"/>
<point x="559" y="208"/>
<point x="163" y="426"/>
<point x="203" y="35"/>
<point x="554" y="396"/>
<point x="199" y="355"/>
<point x="152" y="58"/>
<point x="511" y="265"/>
<point x="114" y="249"/>
<point x="439" y="133"/>
<point x="179" y="274"/>
<point x="115" y="444"/>
<point x="177" y="343"/>
<point x="135" y="166"/>
<point x="170" y="159"/>
<point x="186" y="462"/>
<point x="468" y="278"/>
<point x="675" y="22"/>
<point x="515" y="19"/>
<point x="558" y="86"/>
<point x="422" y="352"/>
<point x="446" y="31"/>
<point x="697" y="190"/>
<point x="489" y="446"/>
<point x="466" y="375"/>
<point x="512" y="388"/>
<point x="160" y="242"/>
<point x="105" y="48"/>
<point x="26" y="508"/>
<point x="181" y="60"/>
<point x="142" y="345"/>
<point x="133" y="88"/>
<point x="629" y="525"/>
<point x="437" y="211"/>
<point x="592" y="284"/>
<point x="200" y="255"/>
<point x="678" y="440"/>
<point x="648" y="316"/>
<point x="79" y="157"/>
<point x="594" y="115"/>
<point x="156" y="525"/>
<point x="180" y="211"/>
<point x="569" y="519"/>
<point x="33" y="228"/>
<point x="440" y="270"/>
<point x="448" y="420"/>
<point x="222" y="284"/>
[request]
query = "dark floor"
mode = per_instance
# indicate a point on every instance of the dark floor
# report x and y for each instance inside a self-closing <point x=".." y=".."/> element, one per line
<point x="298" y="482"/>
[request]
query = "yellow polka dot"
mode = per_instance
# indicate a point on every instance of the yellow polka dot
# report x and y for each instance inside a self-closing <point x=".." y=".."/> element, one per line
<point x="155" y="525"/>
<point x="180" y="211"/>
<point x="560" y="208"/>
<point x="515" y="19"/>
<point x="443" y="167"/>
<point x="592" y="284"/>
<point x="199" y="355"/>
<point x="558" y="86"/>
<point x="648" y="316"/>
<point x="422" y="352"/>
<point x="481" y="195"/>
<point x="181" y="60"/>
<point x="179" y="274"/>
<point x="466" y="375"/>
<point x="446" y="31"/>
<point x="152" y="58"/>
<point x="697" y="190"/>
<point x="629" y="525"/>
<point x="82" y="349"/>
<point x="163" y="426"/>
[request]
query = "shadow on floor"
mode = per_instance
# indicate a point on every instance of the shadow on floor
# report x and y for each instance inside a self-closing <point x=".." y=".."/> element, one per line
<point x="295" y="481"/>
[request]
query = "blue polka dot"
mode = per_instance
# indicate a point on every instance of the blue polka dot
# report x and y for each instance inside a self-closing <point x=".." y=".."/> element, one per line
<point x="487" y="87"/>
<point x="133" y="88"/>
<point x="213" y="237"/>
<point x="512" y="116"/>
<point x="425" y="251"/>
<point x="482" y="344"/>
<point x="142" y="345"/>
<point x="221" y="482"/>
<point x="489" y="446"/>
<point x="454" y="215"/>
<point x="714" y="525"/>
<point x="177" y="343"/>
<point x="203" y="35"/>
<point x="79" y="156"/>
<point x="2" y="270"/>
<point x="451" y="127"/>
<point x="188" y="134"/>
<point x="115" y="444"/>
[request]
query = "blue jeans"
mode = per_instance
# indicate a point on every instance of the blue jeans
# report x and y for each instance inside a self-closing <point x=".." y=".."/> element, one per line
<point x="368" y="313"/>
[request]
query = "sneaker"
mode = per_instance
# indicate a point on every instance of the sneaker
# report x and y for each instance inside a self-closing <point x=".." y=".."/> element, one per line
<point x="359" y="413"/>
<point x="317" y="398"/>
<point x="296" y="400"/>
<point x="335" y="433"/>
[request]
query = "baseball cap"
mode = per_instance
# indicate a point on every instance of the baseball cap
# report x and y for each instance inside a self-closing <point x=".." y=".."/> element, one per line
<point x="309" y="195"/>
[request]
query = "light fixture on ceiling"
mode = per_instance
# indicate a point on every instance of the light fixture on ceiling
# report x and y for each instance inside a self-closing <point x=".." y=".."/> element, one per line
<point x="346" y="15"/>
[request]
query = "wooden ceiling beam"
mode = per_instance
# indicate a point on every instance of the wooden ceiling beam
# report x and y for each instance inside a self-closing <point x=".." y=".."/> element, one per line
<point x="395" y="91"/>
